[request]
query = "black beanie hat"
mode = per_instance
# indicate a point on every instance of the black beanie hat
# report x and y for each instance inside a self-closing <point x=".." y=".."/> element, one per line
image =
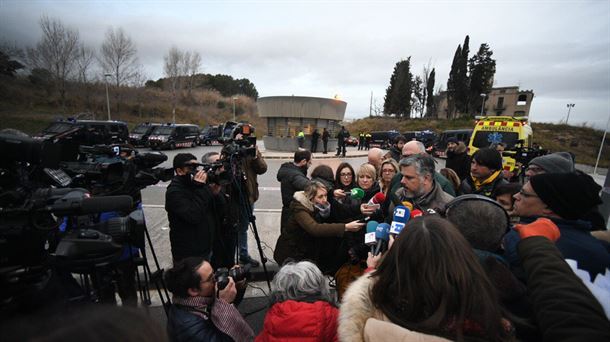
<point x="488" y="157"/>
<point x="182" y="158"/>
<point x="569" y="195"/>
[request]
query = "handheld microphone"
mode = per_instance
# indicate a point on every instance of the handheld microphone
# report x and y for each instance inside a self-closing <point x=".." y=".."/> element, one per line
<point x="382" y="235"/>
<point x="356" y="193"/>
<point x="408" y="205"/>
<point x="416" y="213"/>
<point x="377" y="200"/>
<point x="369" y="237"/>
<point x="401" y="216"/>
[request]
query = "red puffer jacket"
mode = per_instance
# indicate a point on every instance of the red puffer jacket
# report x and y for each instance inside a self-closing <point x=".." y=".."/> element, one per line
<point x="300" y="321"/>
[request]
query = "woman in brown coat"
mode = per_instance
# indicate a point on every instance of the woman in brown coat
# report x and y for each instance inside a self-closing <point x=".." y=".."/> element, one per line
<point x="299" y="235"/>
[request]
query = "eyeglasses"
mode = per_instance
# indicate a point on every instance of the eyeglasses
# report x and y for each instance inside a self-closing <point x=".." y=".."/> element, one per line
<point x="345" y="174"/>
<point x="525" y="194"/>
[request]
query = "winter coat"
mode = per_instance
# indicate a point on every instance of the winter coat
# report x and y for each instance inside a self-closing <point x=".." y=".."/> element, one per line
<point x="292" y="179"/>
<point x="576" y="243"/>
<point x="325" y="135"/>
<point x="184" y="326"/>
<point x="438" y="178"/>
<point x="299" y="234"/>
<point x="300" y="321"/>
<point x="565" y="309"/>
<point x="192" y="220"/>
<point x="435" y="199"/>
<point x="359" y="320"/>
<point x="395" y="154"/>
<point x="254" y="167"/>
<point x="488" y="190"/>
<point x="459" y="161"/>
<point x="341" y="136"/>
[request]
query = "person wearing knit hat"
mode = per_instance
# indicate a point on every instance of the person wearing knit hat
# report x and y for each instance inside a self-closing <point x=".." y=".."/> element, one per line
<point x="565" y="198"/>
<point x="558" y="162"/>
<point x="485" y="173"/>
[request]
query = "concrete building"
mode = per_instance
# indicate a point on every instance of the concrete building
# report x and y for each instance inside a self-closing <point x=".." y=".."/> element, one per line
<point x="508" y="101"/>
<point x="287" y="115"/>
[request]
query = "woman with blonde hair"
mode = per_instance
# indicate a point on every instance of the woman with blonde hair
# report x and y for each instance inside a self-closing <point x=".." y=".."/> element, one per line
<point x="299" y="235"/>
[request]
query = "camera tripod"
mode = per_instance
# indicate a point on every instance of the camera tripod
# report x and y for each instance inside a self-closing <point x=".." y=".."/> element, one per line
<point x="239" y="182"/>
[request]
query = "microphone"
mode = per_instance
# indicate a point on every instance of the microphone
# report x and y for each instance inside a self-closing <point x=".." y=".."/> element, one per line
<point x="408" y="204"/>
<point x="356" y="193"/>
<point x="377" y="199"/>
<point x="382" y="235"/>
<point x="369" y="237"/>
<point x="401" y="216"/>
<point x="416" y="213"/>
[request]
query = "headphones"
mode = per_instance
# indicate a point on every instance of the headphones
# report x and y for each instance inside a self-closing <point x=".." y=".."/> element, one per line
<point x="475" y="197"/>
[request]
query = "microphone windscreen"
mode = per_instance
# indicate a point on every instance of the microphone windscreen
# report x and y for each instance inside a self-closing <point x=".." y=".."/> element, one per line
<point x="107" y="203"/>
<point x="378" y="198"/>
<point x="416" y="213"/>
<point x="371" y="226"/>
<point x="408" y="205"/>
<point x="382" y="232"/>
<point x="400" y="218"/>
<point x="357" y="193"/>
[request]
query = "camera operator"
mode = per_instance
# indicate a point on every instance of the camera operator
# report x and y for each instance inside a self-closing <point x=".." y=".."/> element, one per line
<point x="202" y="310"/>
<point x="252" y="165"/>
<point x="188" y="202"/>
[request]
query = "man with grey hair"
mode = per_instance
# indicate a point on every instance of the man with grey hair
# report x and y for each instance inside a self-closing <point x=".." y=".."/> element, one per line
<point x="375" y="158"/>
<point x="413" y="148"/>
<point x="418" y="184"/>
<point x="302" y="307"/>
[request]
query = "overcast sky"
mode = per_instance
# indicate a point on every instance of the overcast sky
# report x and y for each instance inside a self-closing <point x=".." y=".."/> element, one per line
<point x="559" y="49"/>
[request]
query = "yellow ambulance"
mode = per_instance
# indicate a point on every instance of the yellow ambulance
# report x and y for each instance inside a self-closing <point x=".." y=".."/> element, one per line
<point x="514" y="133"/>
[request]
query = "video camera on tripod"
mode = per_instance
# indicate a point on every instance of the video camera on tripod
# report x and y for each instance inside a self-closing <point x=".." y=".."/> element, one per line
<point x="241" y="143"/>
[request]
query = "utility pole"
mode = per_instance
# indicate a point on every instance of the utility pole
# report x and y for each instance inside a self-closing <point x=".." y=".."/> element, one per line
<point x="570" y="106"/>
<point x="371" y="106"/>
<point x="107" y="97"/>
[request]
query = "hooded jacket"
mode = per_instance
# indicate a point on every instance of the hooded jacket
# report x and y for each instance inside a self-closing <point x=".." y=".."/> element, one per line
<point x="300" y="321"/>
<point x="292" y="179"/>
<point x="254" y="167"/>
<point x="459" y="161"/>
<point x="301" y="230"/>
<point x="489" y="190"/>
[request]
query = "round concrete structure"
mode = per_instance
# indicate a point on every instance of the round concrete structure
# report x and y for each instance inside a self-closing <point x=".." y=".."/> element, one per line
<point x="287" y="115"/>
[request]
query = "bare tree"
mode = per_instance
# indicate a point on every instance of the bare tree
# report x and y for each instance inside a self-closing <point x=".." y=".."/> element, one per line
<point x="118" y="58"/>
<point x="85" y="57"/>
<point x="173" y="68"/>
<point x="193" y="63"/>
<point x="12" y="50"/>
<point x="55" y="52"/>
<point x="425" y="78"/>
<point x="138" y="81"/>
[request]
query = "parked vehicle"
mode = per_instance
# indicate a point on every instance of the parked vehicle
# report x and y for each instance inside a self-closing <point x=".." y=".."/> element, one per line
<point x="440" y="146"/>
<point x="88" y="132"/>
<point x="383" y="139"/>
<point x="351" y="141"/>
<point x="427" y="137"/>
<point x="174" y="135"/>
<point x="210" y="135"/>
<point x="139" y="135"/>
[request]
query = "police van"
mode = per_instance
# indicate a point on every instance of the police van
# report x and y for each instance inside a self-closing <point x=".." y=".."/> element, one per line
<point x="174" y="135"/>
<point x="514" y="133"/>
<point x="139" y="135"/>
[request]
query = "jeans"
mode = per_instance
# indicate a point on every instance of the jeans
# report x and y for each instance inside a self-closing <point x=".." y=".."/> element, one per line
<point x="242" y="234"/>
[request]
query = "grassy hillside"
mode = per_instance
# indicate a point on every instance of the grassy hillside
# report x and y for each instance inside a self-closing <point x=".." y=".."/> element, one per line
<point x="584" y="142"/>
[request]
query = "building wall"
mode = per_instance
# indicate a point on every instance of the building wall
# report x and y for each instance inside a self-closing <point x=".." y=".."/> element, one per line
<point x="508" y="101"/>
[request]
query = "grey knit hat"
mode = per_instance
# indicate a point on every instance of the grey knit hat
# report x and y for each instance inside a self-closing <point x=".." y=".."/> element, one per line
<point x="558" y="162"/>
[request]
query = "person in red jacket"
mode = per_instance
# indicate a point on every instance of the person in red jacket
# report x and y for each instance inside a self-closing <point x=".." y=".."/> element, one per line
<point x="302" y="307"/>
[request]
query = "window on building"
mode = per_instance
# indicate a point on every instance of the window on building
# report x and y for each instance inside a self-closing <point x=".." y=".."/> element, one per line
<point x="500" y="103"/>
<point x="522" y="100"/>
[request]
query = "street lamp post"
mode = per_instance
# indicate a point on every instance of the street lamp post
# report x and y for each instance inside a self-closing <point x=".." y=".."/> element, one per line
<point x="570" y="106"/>
<point x="107" y="97"/>
<point x="234" y="98"/>
<point x="484" y="96"/>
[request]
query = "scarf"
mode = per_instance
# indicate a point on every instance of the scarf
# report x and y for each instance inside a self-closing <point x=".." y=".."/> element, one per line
<point x="478" y="184"/>
<point x="323" y="210"/>
<point x="224" y="316"/>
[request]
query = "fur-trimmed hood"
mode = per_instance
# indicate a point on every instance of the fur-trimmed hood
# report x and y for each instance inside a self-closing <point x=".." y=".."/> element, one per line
<point x="300" y="197"/>
<point x="356" y="308"/>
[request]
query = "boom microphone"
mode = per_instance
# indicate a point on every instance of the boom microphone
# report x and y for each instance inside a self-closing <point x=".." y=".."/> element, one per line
<point x="382" y="235"/>
<point x="401" y="216"/>
<point x="369" y="237"/>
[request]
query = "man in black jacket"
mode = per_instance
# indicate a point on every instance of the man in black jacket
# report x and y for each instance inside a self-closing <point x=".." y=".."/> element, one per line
<point x="191" y="209"/>
<point x="293" y="178"/>
<point x="458" y="159"/>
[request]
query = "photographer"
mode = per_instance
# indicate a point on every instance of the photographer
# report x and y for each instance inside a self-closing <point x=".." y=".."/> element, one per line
<point x="252" y="164"/>
<point x="188" y="202"/>
<point x="201" y="310"/>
